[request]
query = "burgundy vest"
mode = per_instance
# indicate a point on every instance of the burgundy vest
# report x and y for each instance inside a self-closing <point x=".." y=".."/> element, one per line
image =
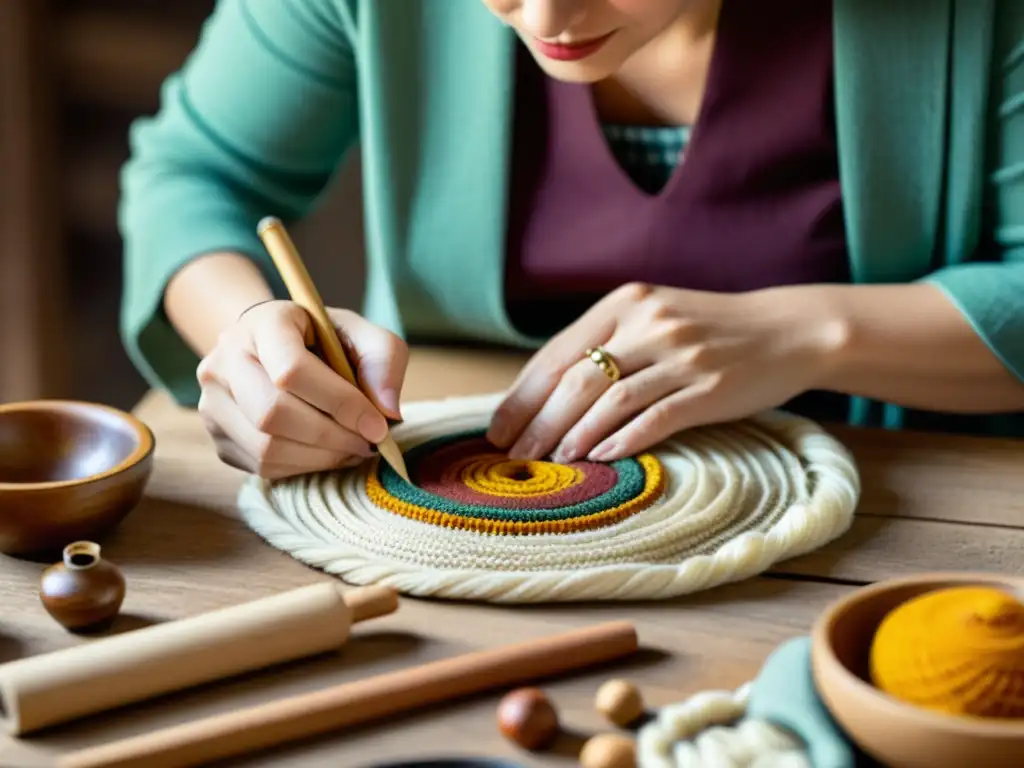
<point x="755" y="202"/>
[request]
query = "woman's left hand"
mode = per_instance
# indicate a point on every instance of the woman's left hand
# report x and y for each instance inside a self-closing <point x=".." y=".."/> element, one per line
<point x="685" y="358"/>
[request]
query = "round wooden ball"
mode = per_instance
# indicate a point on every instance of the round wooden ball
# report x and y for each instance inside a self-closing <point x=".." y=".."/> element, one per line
<point x="527" y="717"/>
<point x="619" y="701"/>
<point x="608" y="750"/>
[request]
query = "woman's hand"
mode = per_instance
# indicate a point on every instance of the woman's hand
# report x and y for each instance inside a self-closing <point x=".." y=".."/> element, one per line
<point x="686" y="358"/>
<point x="275" y="409"/>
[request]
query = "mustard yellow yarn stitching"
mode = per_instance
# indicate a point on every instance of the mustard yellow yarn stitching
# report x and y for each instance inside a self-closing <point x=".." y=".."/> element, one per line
<point x="496" y="476"/>
<point x="654" y="483"/>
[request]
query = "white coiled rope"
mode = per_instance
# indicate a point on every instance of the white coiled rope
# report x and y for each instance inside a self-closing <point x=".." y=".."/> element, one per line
<point x="739" y="498"/>
<point x="709" y="730"/>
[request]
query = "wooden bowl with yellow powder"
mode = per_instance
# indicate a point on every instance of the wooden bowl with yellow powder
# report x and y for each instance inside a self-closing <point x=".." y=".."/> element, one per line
<point x="927" y="671"/>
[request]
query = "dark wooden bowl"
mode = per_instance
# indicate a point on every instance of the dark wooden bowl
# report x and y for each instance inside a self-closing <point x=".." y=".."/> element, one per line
<point x="68" y="471"/>
<point x="897" y="734"/>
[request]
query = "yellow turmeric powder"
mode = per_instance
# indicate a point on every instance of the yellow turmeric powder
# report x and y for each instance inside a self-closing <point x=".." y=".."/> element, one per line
<point x="959" y="651"/>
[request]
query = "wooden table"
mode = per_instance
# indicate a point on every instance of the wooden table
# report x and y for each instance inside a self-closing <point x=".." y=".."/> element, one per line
<point x="929" y="503"/>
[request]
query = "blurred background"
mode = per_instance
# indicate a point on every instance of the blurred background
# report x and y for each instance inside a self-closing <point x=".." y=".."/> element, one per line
<point x="73" y="75"/>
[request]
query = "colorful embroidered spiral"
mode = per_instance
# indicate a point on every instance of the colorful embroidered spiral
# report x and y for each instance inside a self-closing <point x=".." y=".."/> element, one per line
<point x="461" y="481"/>
<point x="703" y="508"/>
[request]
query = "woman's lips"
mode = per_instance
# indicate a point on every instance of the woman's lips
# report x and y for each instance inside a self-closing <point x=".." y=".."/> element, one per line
<point x="571" y="51"/>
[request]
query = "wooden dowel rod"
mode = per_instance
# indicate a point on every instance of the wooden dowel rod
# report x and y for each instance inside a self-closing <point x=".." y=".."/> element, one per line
<point x="298" y="717"/>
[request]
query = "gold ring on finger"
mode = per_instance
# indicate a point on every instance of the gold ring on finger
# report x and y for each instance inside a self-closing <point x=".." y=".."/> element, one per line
<point x="603" y="360"/>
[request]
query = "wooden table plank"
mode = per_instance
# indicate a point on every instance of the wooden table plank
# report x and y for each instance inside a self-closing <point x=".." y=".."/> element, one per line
<point x="878" y="548"/>
<point x="955" y="478"/>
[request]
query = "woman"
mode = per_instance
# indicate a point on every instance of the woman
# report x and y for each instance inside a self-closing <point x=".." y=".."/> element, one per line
<point x="691" y="209"/>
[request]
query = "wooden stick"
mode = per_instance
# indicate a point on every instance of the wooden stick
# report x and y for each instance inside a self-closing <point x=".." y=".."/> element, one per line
<point x="304" y="293"/>
<point x="298" y="717"/>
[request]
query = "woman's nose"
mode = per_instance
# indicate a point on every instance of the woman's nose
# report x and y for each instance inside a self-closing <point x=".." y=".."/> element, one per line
<point x="547" y="19"/>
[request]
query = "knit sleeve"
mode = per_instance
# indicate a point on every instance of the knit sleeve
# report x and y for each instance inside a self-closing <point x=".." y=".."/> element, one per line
<point x="990" y="291"/>
<point x="255" y="123"/>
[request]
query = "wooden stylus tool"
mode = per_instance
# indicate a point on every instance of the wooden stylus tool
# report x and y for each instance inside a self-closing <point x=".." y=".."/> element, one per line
<point x="300" y="286"/>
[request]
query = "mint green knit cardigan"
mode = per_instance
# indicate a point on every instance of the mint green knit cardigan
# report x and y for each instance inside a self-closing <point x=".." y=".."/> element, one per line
<point x="930" y="115"/>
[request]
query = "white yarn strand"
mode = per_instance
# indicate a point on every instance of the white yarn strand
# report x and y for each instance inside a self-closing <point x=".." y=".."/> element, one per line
<point x="738" y="498"/>
<point x="708" y="730"/>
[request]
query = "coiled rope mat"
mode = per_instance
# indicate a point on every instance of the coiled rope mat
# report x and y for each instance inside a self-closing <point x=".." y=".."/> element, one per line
<point x="709" y="506"/>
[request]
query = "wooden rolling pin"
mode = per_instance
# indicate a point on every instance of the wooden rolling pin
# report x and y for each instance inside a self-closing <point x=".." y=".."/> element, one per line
<point x="298" y="717"/>
<point x="111" y="672"/>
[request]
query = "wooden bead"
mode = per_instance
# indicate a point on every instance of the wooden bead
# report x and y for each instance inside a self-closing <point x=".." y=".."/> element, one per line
<point x="620" y="702"/>
<point x="608" y="750"/>
<point x="527" y="717"/>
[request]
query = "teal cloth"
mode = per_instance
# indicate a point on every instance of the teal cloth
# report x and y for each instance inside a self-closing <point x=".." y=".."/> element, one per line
<point x="784" y="694"/>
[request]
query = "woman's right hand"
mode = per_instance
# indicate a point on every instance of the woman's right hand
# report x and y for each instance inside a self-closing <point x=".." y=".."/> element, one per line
<point x="275" y="409"/>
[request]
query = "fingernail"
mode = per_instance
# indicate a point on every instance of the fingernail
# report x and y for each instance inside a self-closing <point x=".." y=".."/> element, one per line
<point x="565" y="454"/>
<point x="372" y="426"/>
<point x="602" y="452"/>
<point x="389" y="400"/>
<point x="498" y="434"/>
<point x="364" y="448"/>
<point x="526" y="451"/>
